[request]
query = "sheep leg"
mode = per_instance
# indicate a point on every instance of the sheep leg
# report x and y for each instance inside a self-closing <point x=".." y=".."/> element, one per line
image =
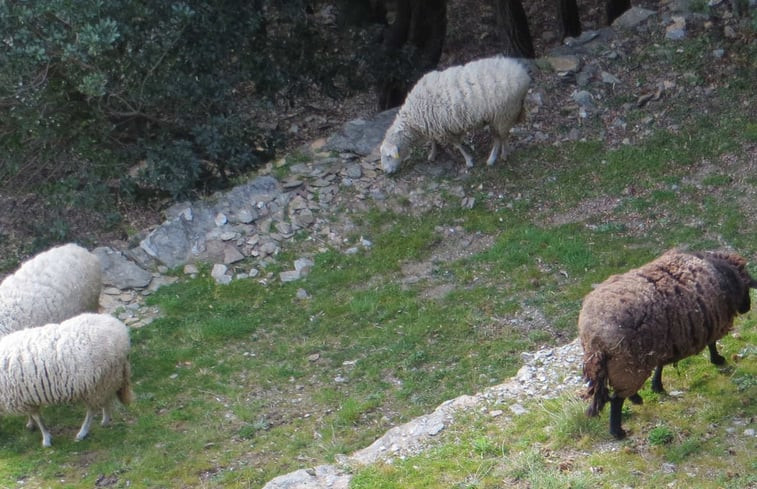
<point x="715" y="357"/>
<point x="636" y="399"/>
<point x="495" y="153"/>
<point x="30" y="424"/>
<point x="47" y="438"/>
<point x="657" y="380"/>
<point x="84" y="430"/>
<point x="616" y="409"/>
<point x="106" y="416"/>
<point x="434" y="151"/>
<point x="466" y="154"/>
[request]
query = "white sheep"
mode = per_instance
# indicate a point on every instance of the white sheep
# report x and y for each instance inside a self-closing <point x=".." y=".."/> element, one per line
<point x="50" y="287"/>
<point x="445" y="105"/>
<point x="85" y="358"/>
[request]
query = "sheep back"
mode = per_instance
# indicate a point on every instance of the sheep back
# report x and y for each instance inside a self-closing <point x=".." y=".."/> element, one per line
<point x="662" y="312"/>
<point x="82" y="359"/>
<point x="52" y="286"/>
<point x="446" y="104"/>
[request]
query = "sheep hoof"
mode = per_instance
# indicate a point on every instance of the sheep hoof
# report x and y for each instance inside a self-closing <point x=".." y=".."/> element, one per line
<point x="718" y="360"/>
<point x="619" y="434"/>
<point x="636" y="399"/>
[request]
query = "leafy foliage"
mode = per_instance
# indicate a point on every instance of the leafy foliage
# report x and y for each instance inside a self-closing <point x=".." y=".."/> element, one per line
<point x="93" y="87"/>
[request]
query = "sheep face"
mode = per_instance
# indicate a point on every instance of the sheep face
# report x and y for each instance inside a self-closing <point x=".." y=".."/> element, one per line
<point x="390" y="157"/>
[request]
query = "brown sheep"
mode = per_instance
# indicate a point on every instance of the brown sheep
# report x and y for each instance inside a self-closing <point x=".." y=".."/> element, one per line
<point x="660" y="313"/>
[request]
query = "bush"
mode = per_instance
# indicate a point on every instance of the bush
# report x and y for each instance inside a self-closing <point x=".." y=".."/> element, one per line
<point x="94" y="87"/>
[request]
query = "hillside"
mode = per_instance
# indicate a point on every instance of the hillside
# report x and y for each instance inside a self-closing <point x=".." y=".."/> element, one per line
<point x="434" y="284"/>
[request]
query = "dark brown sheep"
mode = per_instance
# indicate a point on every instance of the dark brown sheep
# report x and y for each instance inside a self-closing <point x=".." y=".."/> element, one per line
<point x="667" y="310"/>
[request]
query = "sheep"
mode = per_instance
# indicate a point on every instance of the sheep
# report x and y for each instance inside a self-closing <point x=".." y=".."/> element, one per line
<point x="444" y="105"/>
<point x="660" y="313"/>
<point x="49" y="288"/>
<point x="85" y="358"/>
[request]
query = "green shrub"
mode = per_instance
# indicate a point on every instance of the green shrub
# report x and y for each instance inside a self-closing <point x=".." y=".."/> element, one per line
<point x="95" y="87"/>
<point x="660" y="435"/>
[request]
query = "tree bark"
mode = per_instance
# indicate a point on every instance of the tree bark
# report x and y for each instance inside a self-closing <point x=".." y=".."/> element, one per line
<point x="412" y="46"/>
<point x="512" y="26"/>
<point x="570" y="22"/>
<point x="615" y="9"/>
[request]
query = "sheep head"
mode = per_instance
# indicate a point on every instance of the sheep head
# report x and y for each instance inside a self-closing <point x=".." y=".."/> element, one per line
<point x="390" y="157"/>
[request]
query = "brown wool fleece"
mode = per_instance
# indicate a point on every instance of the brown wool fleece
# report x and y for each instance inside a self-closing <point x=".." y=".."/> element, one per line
<point x="660" y="313"/>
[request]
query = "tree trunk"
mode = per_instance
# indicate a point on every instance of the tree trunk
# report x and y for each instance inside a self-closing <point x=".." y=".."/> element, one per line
<point x="615" y="9"/>
<point x="570" y="22"/>
<point x="513" y="29"/>
<point x="412" y="46"/>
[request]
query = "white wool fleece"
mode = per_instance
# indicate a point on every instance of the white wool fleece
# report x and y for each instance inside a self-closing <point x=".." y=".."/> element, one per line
<point x="84" y="359"/>
<point x="49" y="288"/>
<point x="445" y="105"/>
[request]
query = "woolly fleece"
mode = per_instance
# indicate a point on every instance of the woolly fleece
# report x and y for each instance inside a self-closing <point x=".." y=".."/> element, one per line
<point x="49" y="288"/>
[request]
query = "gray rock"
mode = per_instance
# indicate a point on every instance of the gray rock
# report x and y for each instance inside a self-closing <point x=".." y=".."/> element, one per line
<point x="362" y="136"/>
<point x="121" y="272"/>
<point x="584" y="98"/>
<point x="677" y="30"/>
<point x="303" y="266"/>
<point x="170" y="243"/>
<point x="289" y="276"/>
<point x="568" y="63"/>
<point x="610" y="79"/>
<point x="632" y="18"/>
<point x="322" y="476"/>
<point x="231" y="254"/>
<point x="219" y="274"/>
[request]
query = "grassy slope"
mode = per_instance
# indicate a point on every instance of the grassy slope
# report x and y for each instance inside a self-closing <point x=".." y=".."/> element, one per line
<point x="239" y="383"/>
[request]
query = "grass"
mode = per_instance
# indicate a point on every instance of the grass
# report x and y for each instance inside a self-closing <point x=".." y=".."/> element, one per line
<point x="237" y="384"/>
<point x="697" y="437"/>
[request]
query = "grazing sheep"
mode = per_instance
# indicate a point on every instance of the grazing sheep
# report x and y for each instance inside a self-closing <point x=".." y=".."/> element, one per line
<point x="49" y="288"/>
<point x="85" y="358"/>
<point x="444" y="105"/>
<point x="660" y="313"/>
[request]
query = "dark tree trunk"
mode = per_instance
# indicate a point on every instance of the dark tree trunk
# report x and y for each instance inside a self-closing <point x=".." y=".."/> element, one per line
<point x="512" y="26"/>
<point x="615" y="9"/>
<point x="570" y="22"/>
<point x="412" y="45"/>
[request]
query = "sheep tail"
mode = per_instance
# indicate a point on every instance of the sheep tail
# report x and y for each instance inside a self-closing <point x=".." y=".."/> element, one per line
<point x="595" y="372"/>
<point x="124" y="393"/>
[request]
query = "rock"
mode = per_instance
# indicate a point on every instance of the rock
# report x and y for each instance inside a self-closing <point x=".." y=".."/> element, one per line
<point x="323" y="476"/>
<point x="568" y="63"/>
<point x="289" y="276"/>
<point x="362" y="136"/>
<point x="586" y="36"/>
<point x="677" y="30"/>
<point x="610" y="79"/>
<point x="303" y="266"/>
<point x="219" y="274"/>
<point x="121" y="272"/>
<point x="231" y="254"/>
<point x="584" y="98"/>
<point x="632" y="18"/>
